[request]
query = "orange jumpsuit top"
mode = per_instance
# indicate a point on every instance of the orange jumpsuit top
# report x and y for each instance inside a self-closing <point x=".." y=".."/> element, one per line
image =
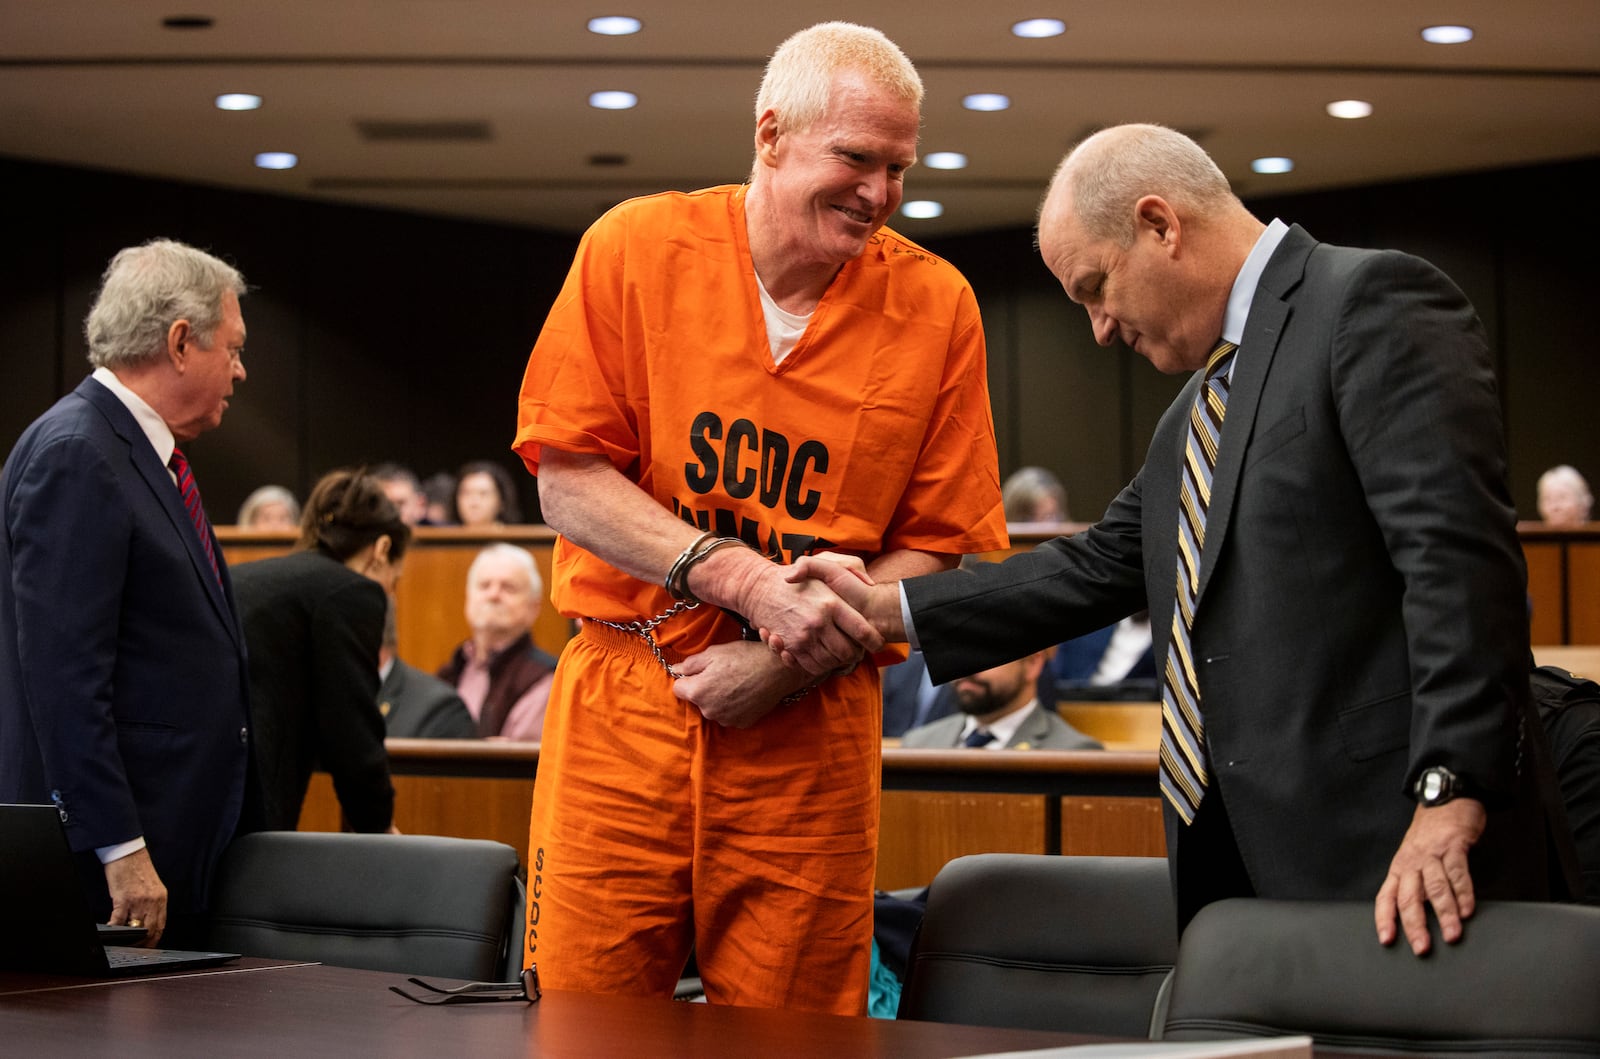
<point x="873" y="434"/>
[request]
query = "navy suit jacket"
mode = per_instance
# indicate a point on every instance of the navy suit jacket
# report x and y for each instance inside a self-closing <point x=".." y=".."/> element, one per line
<point x="122" y="664"/>
<point x="902" y="685"/>
<point x="1362" y="606"/>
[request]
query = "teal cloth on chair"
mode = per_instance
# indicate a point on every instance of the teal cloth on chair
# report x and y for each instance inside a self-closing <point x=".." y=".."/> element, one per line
<point x="883" y="989"/>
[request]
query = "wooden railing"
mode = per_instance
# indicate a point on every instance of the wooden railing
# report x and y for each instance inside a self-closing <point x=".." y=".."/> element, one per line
<point x="937" y="804"/>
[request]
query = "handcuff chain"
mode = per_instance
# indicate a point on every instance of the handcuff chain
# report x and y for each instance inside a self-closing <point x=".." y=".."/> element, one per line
<point x="644" y="630"/>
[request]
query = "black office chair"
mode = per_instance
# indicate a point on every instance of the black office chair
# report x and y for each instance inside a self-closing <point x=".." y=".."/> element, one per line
<point x="1076" y="944"/>
<point x="1523" y="981"/>
<point x="414" y="904"/>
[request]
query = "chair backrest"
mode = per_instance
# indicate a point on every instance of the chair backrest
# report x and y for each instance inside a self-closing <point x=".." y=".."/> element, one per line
<point x="414" y="904"/>
<point x="1523" y="980"/>
<point x="1077" y="944"/>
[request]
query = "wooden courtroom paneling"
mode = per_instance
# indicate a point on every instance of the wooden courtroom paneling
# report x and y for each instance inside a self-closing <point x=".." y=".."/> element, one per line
<point x="1112" y="827"/>
<point x="937" y="805"/>
<point x="1583" y="592"/>
<point x="920" y="832"/>
<point x="459" y="806"/>
<point x="923" y="830"/>
<point x="1547" y="621"/>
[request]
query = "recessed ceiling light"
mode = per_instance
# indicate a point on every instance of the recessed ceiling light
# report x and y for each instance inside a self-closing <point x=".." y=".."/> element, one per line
<point x="613" y="100"/>
<point x="188" y="22"/>
<point x="1350" y="108"/>
<point x="986" y="101"/>
<point x="615" y="25"/>
<point x="945" y="160"/>
<point x="1447" y="34"/>
<point x="1039" y="27"/>
<point x="277" y="160"/>
<point x="922" y="209"/>
<point x="238" y="101"/>
<point x="1272" y="165"/>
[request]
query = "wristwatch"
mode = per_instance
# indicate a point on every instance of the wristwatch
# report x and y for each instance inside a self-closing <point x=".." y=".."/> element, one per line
<point x="1437" y="785"/>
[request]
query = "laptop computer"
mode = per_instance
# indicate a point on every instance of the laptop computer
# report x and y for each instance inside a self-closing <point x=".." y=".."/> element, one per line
<point x="51" y="928"/>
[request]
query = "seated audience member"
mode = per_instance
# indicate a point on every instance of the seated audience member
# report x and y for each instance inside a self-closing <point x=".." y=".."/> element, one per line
<point x="313" y="620"/>
<point x="440" y="491"/>
<point x="1033" y="494"/>
<point x="272" y="507"/>
<point x="1569" y="707"/>
<point x="414" y="704"/>
<point x="1111" y="663"/>
<point x="1564" y="498"/>
<point x="485" y="497"/>
<point x="1000" y="712"/>
<point x="404" y="492"/>
<point x="501" y="676"/>
<point x="910" y="699"/>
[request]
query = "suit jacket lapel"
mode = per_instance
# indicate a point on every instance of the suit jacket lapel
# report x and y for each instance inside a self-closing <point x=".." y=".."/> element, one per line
<point x="1269" y="311"/>
<point x="165" y="493"/>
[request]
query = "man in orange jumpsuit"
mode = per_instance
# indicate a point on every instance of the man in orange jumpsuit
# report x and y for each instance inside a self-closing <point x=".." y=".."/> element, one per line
<point x="728" y="380"/>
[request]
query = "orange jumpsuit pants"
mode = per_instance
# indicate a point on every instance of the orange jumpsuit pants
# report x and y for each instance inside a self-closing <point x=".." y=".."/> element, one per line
<point x="654" y="828"/>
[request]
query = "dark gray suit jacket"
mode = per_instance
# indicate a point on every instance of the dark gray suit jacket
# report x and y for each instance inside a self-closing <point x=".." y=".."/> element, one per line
<point x="1362" y="611"/>
<point x="1040" y="730"/>
<point x="122" y="667"/>
<point x="418" y="705"/>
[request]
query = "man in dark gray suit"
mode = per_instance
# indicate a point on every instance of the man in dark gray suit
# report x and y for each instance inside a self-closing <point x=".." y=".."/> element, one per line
<point x="1354" y="624"/>
<point x="999" y="711"/>
<point x="122" y="664"/>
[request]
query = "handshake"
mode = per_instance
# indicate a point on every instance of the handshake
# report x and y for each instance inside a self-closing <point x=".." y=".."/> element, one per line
<point x="825" y="613"/>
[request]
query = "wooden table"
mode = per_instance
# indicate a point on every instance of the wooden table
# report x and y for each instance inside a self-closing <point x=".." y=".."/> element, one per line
<point x="309" y="1011"/>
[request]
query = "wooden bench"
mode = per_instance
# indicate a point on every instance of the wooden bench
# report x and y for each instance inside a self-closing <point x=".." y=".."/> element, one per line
<point x="1118" y="725"/>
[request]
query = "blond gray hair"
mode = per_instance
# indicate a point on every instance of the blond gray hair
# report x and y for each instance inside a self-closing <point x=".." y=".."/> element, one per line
<point x="799" y="80"/>
<point x="145" y="290"/>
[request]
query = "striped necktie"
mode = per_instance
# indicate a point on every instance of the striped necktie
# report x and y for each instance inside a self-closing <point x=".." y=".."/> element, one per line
<point x="1184" y="766"/>
<point x="191" y="503"/>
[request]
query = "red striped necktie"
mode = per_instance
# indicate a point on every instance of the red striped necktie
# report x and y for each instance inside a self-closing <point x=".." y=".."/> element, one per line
<point x="191" y="503"/>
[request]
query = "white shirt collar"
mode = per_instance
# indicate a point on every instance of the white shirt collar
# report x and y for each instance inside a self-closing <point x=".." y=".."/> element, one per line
<point x="1004" y="728"/>
<point x="155" y="428"/>
<point x="1244" y="285"/>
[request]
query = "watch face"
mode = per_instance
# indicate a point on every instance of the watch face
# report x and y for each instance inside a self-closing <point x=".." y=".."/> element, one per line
<point x="1432" y="786"/>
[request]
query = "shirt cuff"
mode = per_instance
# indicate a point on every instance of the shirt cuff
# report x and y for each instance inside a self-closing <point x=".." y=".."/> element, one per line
<point x="107" y="854"/>
<point x="905" y="619"/>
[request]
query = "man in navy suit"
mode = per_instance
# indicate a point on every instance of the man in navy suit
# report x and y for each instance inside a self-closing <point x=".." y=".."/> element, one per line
<point x="1356" y="619"/>
<point x="122" y="665"/>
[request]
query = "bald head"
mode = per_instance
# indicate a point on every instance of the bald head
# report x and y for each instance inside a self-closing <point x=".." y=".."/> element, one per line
<point x="1103" y="178"/>
<point x="1142" y="230"/>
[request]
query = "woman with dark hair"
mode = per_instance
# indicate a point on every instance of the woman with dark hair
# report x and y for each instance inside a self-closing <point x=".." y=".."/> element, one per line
<point x="485" y="497"/>
<point x="313" y="620"/>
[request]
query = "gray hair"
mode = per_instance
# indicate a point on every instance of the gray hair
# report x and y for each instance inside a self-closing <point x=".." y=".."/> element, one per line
<point x="1116" y="167"/>
<point x="799" y="80"/>
<point x="1567" y="474"/>
<point x="145" y="290"/>
<point x="509" y="551"/>
<point x="268" y="494"/>
<point x="1027" y="486"/>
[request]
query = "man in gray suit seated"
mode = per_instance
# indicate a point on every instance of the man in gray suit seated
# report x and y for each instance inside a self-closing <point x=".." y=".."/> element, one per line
<point x="999" y="711"/>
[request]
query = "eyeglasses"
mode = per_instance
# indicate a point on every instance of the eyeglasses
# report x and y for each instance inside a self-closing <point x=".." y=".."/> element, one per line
<point x="525" y="988"/>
